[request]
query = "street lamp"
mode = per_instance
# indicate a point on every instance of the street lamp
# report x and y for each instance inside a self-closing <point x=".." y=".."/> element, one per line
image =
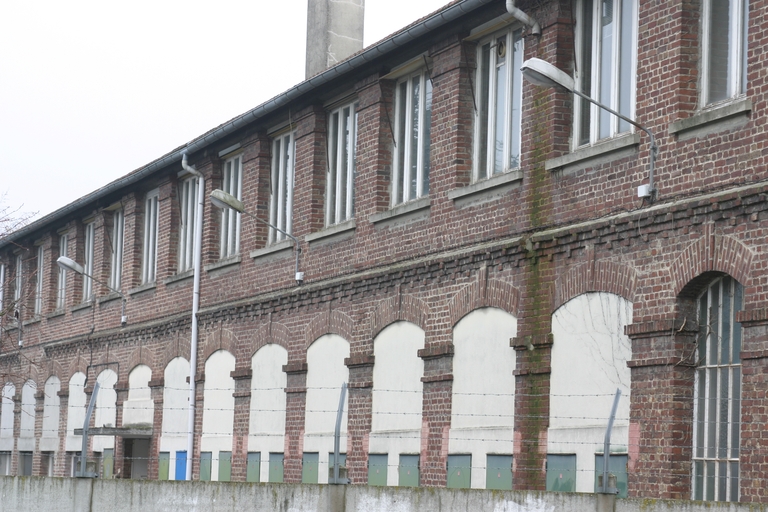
<point x="72" y="265"/>
<point x="540" y="72"/>
<point x="222" y="200"/>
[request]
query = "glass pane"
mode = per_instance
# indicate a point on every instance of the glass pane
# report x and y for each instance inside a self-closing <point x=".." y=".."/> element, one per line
<point x="426" y="140"/>
<point x="397" y="185"/>
<point x="737" y="306"/>
<point x="703" y="325"/>
<point x="483" y="107"/>
<point x="516" y="88"/>
<point x="698" y="480"/>
<point x="561" y="473"/>
<point x="501" y="105"/>
<point x="413" y="160"/>
<point x="343" y="165"/>
<point x="711" y="411"/>
<point x="377" y="470"/>
<point x="498" y="472"/>
<point x="736" y="413"/>
<point x="586" y="71"/>
<point x="626" y="50"/>
<point x="744" y="44"/>
<point x="459" y="469"/>
<point x="253" y="467"/>
<point x="722" y="480"/>
<point x="734" y="481"/>
<point x="606" y="64"/>
<point x="353" y="158"/>
<point x="714" y="323"/>
<point x="333" y="147"/>
<point x="408" y="471"/>
<point x="723" y="417"/>
<point x="719" y="49"/>
<point x="725" y="337"/>
<point x="701" y="408"/>
<point x="709" y="480"/>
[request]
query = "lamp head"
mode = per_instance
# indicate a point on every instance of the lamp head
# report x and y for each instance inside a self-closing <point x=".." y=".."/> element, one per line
<point x="541" y="72"/>
<point x="221" y="199"/>
<point x="70" y="264"/>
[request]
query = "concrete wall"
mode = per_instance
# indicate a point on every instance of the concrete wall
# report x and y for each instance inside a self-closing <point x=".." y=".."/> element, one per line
<point x="33" y="494"/>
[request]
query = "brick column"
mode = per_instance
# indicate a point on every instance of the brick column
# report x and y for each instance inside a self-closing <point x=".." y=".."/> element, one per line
<point x="311" y="169"/>
<point x="242" y="419"/>
<point x="194" y="458"/>
<point x="436" y="413"/>
<point x="61" y="468"/>
<point x="121" y="463"/>
<point x="156" y="388"/>
<point x="15" y="460"/>
<point x="295" y="409"/>
<point x="661" y="410"/>
<point x="39" y="411"/>
<point x="359" y="416"/>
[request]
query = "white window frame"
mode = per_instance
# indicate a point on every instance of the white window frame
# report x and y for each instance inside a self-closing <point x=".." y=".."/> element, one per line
<point x="621" y="69"/>
<point x="61" y="280"/>
<point x="188" y="207"/>
<point x="281" y="185"/>
<point x="18" y="282"/>
<point x="736" y="30"/>
<point x="151" y="226"/>
<point x="38" y="308"/>
<point x="342" y="168"/>
<point x="499" y="104"/>
<point x="717" y="394"/>
<point x="88" y="255"/>
<point x="410" y="176"/>
<point x="117" y="240"/>
<point x="231" y="183"/>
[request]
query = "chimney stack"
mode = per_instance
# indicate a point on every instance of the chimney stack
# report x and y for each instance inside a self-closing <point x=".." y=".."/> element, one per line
<point x="334" y="32"/>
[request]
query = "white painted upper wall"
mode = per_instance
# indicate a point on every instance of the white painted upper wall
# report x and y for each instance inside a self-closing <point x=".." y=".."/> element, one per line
<point x="75" y="411"/>
<point x="218" y="407"/>
<point x="27" y="417"/>
<point x="267" y="416"/>
<point x="51" y="407"/>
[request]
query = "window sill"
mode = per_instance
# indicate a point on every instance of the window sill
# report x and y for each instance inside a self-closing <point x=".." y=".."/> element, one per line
<point x="274" y="249"/>
<point x="487" y="190"/>
<point x="84" y="305"/>
<point x="223" y="263"/>
<point x="724" y="116"/>
<point x="34" y="320"/>
<point x="403" y="214"/>
<point x="181" y="276"/>
<point x="109" y="298"/>
<point x="335" y="233"/>
<point x="143" y="288"/>
<point x="55" y="314"/>
<point x="596" y="154"/>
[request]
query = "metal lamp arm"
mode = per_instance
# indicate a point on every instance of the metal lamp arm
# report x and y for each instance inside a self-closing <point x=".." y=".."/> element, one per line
<point x="295" y="240"/>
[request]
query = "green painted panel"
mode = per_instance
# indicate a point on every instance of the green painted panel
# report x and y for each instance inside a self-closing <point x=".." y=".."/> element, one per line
<point x="309" y="464"/>
<point x="408" y="471"/>
<point x="459" y="471"/>
<point x="163" y="466"/>
<point x="205" y="467"/>
<point x="617" y="465"/>
<point x="276" y="467"/>
<point x="253" y="467"/>
<point x="225" y="466"/>
<point x="108" y="463"/>
<point x="377" y="469"/>
<point x="498" y="472"/>
<point x="561" y="473"/>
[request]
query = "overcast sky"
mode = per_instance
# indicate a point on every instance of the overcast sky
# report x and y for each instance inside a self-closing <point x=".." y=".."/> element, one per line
<point x="92" y="89"/>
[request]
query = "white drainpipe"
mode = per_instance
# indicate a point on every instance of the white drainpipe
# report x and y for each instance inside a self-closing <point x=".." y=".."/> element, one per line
<point x="523" y="18"/>
<point x="195" y="308"/>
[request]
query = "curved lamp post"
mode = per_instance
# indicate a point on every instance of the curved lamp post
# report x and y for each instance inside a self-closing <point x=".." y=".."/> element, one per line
<point x="540" y="72"/>
<point x="222" y="200"/>
<point x="72" y="265"/>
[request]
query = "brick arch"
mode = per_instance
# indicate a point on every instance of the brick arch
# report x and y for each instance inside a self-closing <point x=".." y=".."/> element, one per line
<point x="491" y="293"/>
<point x="140" y="355"/>
<point x="329" y="322"/>
<point x="269" y="334"/>
<point x="595" y="276"/>
<point x="711" y="253"/>
<point x="400" y="307"/>
<point x="78" y="364"/>
<point x="219" y="339"/>
<point x="54" y="370"/>
<point x="179" y="347"/>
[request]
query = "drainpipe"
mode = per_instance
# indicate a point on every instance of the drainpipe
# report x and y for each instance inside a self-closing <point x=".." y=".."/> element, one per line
<point x="195" y="308"/>
<point x="523" y="18"/>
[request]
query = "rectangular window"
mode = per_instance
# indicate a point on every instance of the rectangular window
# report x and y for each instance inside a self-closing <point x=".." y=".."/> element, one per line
<point x="116" y="242"/>
<point x="498" y="472"/>
<point x="225" y="466"/>
<point x="61" y="280"/>
<point x="725" y="25"/>
<point x="377" y="469"/>
<point x="39" y="281"/>
<point x="5" y="463"/>
<point x="205" y="466"/>
<point x="25" y="463"/>
<point x="46" y="463"/>
<point x="253" y="467"/>
<point x="561" y="473"/>
<point x="497" y="124"/>
<point x="18" y="282"/>
<point x="408" y="471"/>
<point x="230" y="220"/>
<point x="340" y="186"/>
<point x="151" y="225"/>
<point x="73" y="463"/>
<point x="413" y="118"/>
<point x="617" y="466"/>
<point x="459" y="471"/>
<point x="606" y="52"/>
<point x="309" y="468"/>
<point x="164" y="465"/>
<point x="188" y="206"/>
<point x="717" y="393"/>
<point x="276" y="467"/>
<point x="281" y="186"/>
<point x="88" y="255"/>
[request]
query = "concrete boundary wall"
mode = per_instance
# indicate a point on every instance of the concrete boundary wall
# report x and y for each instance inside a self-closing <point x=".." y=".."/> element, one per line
<point x="42" y="494"/>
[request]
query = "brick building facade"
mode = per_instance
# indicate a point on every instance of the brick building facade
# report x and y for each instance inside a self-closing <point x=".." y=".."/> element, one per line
<point x="458" y="230"/>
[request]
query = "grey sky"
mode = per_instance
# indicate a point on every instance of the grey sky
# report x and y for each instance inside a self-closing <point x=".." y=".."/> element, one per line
<point x="91" y="90"/>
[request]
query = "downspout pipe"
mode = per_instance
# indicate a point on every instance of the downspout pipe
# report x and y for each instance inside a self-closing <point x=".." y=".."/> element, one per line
<point x="195" y="308"/>
<point x="523" y="18"/>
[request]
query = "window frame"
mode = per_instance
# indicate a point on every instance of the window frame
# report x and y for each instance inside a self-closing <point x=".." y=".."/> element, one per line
<point x="18" y="282"/>
<point x="231" y="183"/>
<point x="117" y="240"/>
<point x="150" y="238"/>
<point x="709" y="456"/>
<point x="404" y="153"/>
<point x="61" y="278"/>
<point x="487" y="124"/>
<point x="342" y="153"/>
<point x="596" y="117"/>
<point x="38" y="304"/>
<point x="188" y="213"/>
<point x="281" y="185"/>
<point x="736" y="82"/>
<point x="2" y="289"/>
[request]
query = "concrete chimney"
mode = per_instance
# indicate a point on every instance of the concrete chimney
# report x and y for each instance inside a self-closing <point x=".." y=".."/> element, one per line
<point x="334" y="32"/>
